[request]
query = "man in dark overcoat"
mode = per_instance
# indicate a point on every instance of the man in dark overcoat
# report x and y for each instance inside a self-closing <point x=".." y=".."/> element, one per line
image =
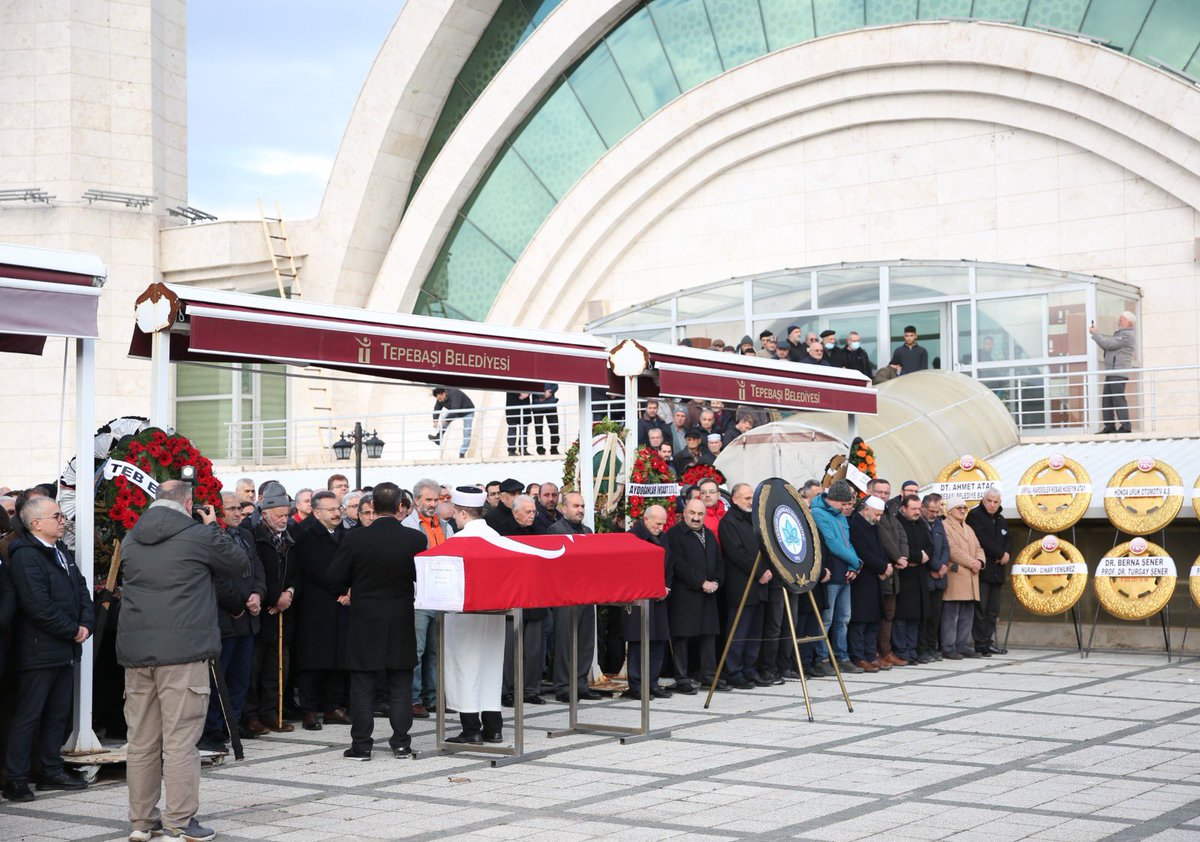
<point x="912" y="597"/>
<point x="933" y="575"/>
<point x="273" y="545"/>
<point x="376" y="564"/>
<point x="322" y="616"/>
<point x="692" y="608"/>
<point x="740" y="552"/>
<point x="992" y="531"/>
<point x="650" y="528"/>
<point x="866" y="591"/>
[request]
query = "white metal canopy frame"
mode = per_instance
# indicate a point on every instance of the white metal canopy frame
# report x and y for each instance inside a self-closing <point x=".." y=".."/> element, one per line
<point x="46" y="293"/>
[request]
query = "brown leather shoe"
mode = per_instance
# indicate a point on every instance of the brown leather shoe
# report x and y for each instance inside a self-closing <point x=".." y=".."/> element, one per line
<point x="883" y="665"/>
<point x="867" y="666"/>
<point x="895" y="660"/>
<point x="311" y="722"/>
<point x="420" y="711"/>
<point x="337" y="716"/>
<point x="255" y="725"/>
<point x="285" y="728"/>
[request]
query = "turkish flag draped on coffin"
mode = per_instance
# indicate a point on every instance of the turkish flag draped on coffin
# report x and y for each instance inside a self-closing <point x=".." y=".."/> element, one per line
<point x="542" y="571"/>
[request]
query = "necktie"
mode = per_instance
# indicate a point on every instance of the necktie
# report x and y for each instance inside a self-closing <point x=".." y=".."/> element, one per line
<point x="62" y="559"/>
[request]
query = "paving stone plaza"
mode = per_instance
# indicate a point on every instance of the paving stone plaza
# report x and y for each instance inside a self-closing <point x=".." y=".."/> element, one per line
<point x="1038" y="744"/>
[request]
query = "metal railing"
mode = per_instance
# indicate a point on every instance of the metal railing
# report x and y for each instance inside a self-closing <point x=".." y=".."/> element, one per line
<point x="1162" y="399"/>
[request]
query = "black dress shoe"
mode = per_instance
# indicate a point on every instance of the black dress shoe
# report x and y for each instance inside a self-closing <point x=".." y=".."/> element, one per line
<point x="402" y="752"/>
<point x="590" y="694"/>
<point x="984" y="651"/>
<point x="562" y="697"/>
<point x="247" y="734"/>
<point x="660" y="693"/>
<point x="742" y="684"/>
<point x="790" y="675"/>
<point x="534" y="700"/>
<point x="997" y="650"/>
<point x="632" y="694"/>
<point x="63" y="780"/>
<point x="685" y="689"/>
<point x="18" y="792"/>
<point x="493" y="737"/>
<point x="506" y="701"/>
<point x="356" y="755"/>
<point x="1107" y="430"/>
<point x="467" y="739"/>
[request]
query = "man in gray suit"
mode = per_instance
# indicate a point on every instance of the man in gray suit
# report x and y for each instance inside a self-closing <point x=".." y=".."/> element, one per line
<point x="1118" y="357"/>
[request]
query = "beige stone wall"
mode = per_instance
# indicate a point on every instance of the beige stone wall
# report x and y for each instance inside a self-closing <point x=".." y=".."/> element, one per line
<point x="93" y="96"/>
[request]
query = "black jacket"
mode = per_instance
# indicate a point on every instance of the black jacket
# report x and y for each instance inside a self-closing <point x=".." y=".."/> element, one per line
<point x="501" y="519"/>
<point x="866" y="591"/>
<point x="280" y="572"/>
<point x="456" y="402"/>
<point x="996" y="540"/>
<point x="739" y="550"/>
<point x="8" y="610"/>
<point x="322" y="623"/>
<point x="912" y="596"/>
<point x="52" y="604"/>
<point x="693" y="612"/>
<point x="646" y="425"/>
<point x="377" y="564"/>
<point x="545" y="518"/>
<point x="232" y="592"/>
<point x="170" y="564"/>
<point x="686" y="460"/>
<point x="857" y="360"/>
<point x="660" y="625"/>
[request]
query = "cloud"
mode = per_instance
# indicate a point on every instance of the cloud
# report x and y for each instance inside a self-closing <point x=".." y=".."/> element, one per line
<point x="275" y="163"/>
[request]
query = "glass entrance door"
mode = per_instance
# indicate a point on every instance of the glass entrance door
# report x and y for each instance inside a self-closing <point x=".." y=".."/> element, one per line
<point x="933" y="332"/>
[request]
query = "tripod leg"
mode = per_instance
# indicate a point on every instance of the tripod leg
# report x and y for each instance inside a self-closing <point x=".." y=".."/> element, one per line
<point x="1078" y="630"/>
<point x="732" y="631"/>
<point x="1164" y="617"/>
<point x="231" y="727"/>
<point x="787" y="607"/>
<point x="1092" y="636"/>
<point x="1012" y="610"/>
<point x="832" y="658"/>
<point x="1187" y="624"/>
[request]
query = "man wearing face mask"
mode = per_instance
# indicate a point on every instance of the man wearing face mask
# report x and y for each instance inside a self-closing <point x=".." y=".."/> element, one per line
<point x="835" y="355"/>
<point x="855" y="357"/>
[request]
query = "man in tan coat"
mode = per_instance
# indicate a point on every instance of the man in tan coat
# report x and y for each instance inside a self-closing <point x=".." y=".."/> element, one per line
<point x="962" y="583"/>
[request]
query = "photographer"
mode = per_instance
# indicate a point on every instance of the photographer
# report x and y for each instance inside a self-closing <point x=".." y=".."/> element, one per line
<point x="168" y="632"/>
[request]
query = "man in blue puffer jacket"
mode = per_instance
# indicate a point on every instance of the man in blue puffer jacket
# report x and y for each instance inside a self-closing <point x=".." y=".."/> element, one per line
<point x="830" y="511"/>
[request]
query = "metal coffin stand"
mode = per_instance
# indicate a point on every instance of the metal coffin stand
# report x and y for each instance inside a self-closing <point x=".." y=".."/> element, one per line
<point x="626" y="733"/>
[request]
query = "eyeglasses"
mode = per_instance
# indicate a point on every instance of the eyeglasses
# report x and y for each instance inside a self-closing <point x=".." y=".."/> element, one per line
<point x="329" y="509"/>
<point x="56" y="516"/>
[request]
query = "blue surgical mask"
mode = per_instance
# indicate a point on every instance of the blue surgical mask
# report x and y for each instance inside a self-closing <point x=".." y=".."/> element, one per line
<point x="855" y="344"/>
<point x="828" y="346"/>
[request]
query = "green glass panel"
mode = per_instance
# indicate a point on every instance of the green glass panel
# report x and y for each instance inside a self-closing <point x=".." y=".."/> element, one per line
<point x="1170" y="33"/>
<point x="457" y="104"/>
<point x="843" y="287"/>
<point x="537" y="12"/>
<point x="605" y="96"/>
<point x="272" y="392"/>
<point x="1194" y="65"/>
<point x="881" y="12"/>
<point x="929" y="334"/>
<point x="935" y="9"/>
<point x="1062" y="14"/>
<point x="1117" y="21"/>
<point x="787" y="22"/>
<point x="1013" y="10"/>
<point x="685" y="33"/>
<point x="559" y="143"/>
<point x="203" y="380"/>
<point x="838" y="15"/>
<point x="498" y="42"/>
<point x="908" y="282"/>
<point x="643" y="63"/>
<point x="466" y="276"/>
<point x="738" y="26"/>
<point x="510" y="204"/>
<point x="204" y="422"/>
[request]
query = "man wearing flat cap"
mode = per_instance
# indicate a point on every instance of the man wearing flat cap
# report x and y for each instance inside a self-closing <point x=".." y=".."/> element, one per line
<point x="833" y="353"/>
<point x="475" y="642"/>
<point x="501" y="517"/>
<point x="696" y="453"/>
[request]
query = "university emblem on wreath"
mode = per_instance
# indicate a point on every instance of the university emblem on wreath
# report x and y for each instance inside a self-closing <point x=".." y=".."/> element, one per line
<point x="1049" y="576"/>
<point x="966" y="477"/>
<point x="1054" y="493"/>
<point x="1143" y="496"/>
<point x="787" y="534"/>
<point x="1135" y="580"/>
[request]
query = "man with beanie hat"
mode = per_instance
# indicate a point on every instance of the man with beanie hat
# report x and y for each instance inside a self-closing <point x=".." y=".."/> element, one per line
<point x="797" y="348"/>
<point x="830" y="511"/>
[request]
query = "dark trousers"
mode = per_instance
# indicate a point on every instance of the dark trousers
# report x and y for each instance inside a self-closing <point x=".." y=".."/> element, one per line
<point x="262" y="698"/>
<point x="658" y="653"/>
<point x="44" y="710"/>
<point x="610" y="637"/>
<point x="808" y="625"/>
<point x="987" y="613"/>
<point x="517" y="436"/>
<point x="545" y="414"/>
<point x="776" y="651"/>
<point x="237" y="658"/>
<point x="1114" y="408"/>
<point x="562" y="646"/>
<point x="362" y="702"/>
<point x="490" y="722"/>
<point x="862" y="640"/>
<point x="708" y="658"/>
<point x="929" y="636"/>
<point x="904" y="638"/>
<point x="885" y="624"/>
<point x="747" y="639"/>
<point x="534" y="652"/>
<point x="321" y="690"/>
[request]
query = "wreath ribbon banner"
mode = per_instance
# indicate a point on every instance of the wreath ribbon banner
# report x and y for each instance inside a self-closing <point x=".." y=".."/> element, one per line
<point x="666" y="489"/>
<point x="114" y="468"/>
<point x="974" y="489"/>
<point x="1196" y="570"/>
<point x="1062" y="488"/>
<point x="1144" y="491"/>
<point x="1143" y="567"/>
<point x="1048" y="569"/>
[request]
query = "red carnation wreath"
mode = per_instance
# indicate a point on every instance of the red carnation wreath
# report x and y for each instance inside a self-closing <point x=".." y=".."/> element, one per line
<point x="698" y="473"/>
<point x="651" y="469"/>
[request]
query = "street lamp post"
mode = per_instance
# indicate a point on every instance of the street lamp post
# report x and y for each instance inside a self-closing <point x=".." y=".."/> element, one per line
<point x="357" y="443"/>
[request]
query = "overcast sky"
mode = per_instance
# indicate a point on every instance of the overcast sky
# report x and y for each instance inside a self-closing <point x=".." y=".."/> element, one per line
<point x="271" y="84"/>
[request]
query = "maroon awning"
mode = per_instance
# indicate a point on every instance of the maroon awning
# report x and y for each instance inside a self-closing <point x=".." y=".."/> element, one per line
<point x="47" y="293"/>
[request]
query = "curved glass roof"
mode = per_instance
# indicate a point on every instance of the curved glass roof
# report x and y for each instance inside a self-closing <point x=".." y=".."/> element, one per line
<point x="667" y="47"/>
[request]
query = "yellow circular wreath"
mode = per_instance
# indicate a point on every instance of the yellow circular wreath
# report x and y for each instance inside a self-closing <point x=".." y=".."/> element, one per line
<point x="1196" y="497"/>
<point x="956" y="472"/>
<point x="1194" y="581"/>
<point x="1134" y="598"/>
<point x="1143" y="515"/>
<point x="1053" y="512"/>
<point x="1049" y="595"/>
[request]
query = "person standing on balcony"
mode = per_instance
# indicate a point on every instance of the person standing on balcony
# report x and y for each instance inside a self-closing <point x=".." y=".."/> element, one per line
<point x="1118" y="357"/>
<point x="545" y="411"/>
<point x="910" y="356"/>
<point x="449" y="405"/>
